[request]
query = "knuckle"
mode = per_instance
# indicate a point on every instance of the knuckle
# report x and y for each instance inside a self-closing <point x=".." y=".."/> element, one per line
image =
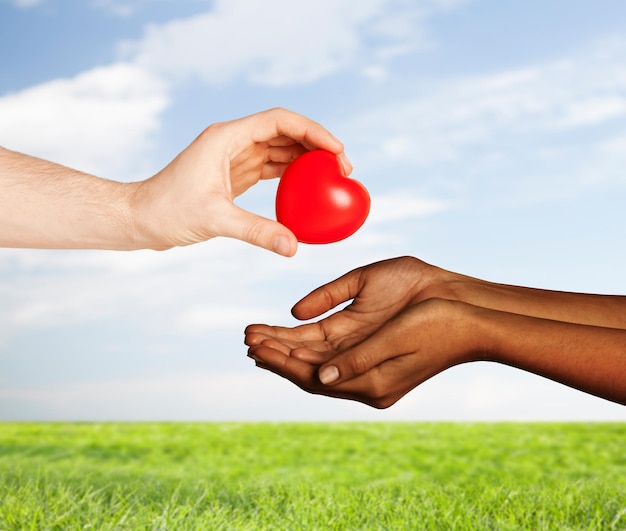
<point x="255" y="231"/>
<point x="329" y="299"/>
<point x="407" y="260"/>
<point x="437" y="307"/>
<point x="215" y="128"/>
<point x="275" y="111"/>
<point x="378" y="390"/>
<point x="359" y="363"/>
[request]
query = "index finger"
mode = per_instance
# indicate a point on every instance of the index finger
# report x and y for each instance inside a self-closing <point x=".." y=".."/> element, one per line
<point x="255" y="333"/>
<point x="312" y="135"/>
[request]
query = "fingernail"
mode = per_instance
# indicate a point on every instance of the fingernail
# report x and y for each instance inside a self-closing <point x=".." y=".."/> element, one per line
<point x="346" y="166"/>
<point x="329" y="374"/>
<point x="281" y="245"/>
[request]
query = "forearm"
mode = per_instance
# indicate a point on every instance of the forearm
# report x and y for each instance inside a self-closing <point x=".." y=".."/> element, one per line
<point x="46" y="205"/>
<point x="589" y="358"/>
<point x="589" y="309"/>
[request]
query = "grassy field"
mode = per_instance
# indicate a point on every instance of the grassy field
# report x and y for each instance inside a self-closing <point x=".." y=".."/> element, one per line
<point x="336" y="476"/>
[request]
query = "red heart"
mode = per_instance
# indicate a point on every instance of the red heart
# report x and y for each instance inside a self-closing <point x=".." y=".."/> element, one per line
<point x="317" y="203"/>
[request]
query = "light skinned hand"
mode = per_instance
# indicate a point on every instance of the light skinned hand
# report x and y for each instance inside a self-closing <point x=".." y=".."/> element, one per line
<point x="198" y="187"/>
<point x="49" y="206"/>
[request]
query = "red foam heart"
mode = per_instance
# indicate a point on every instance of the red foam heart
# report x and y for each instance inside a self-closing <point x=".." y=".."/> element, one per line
<point x="317" y="203"/>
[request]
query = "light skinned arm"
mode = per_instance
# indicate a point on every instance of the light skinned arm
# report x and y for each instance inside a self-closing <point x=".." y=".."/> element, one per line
<point x="400" y="330"/>
<point x="46" y="205"/>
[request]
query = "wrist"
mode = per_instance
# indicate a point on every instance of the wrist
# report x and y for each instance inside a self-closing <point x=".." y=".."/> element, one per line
<point x="133" y="217"/>
<point x="438" y="283"/>
<point x="461" y="330"/>
<point x="474" y="332"/>
<point x="473" y="291"/>
<point x="145" y="214"/>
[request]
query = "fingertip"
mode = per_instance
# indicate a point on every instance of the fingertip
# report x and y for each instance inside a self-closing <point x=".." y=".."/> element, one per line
<point x="251" y="328"/>
<point x="251" y="339"/>
<point x="295" y="311"/>
<point x="285" y="245"/>
<point x="345" y="163"/>
<point x="236" y="222"/>
<point x="302" y="311"/>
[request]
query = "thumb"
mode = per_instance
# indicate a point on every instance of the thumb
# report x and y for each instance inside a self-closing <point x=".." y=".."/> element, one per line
<point x="257" y="230"/>
<point x="390" y="341"/>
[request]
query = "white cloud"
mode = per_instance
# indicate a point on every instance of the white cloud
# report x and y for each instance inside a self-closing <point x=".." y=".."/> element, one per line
<point x="25" y="4"/>
<point x="79" y="286"/>
<point x="616" y="145"/>
<point x="545" y="132"/>
<point x="195" y="395"/>
<point x="281" y="42"/>
<point x="190" y="285"/>
<point x="119" y="8"/>
<point x="100" y="121"/>
<point x="593" y="110"/>
<point x="478" y="393"/>
<point x="376" y="73"/>
<point x="446" y="120"/>
<point x="401" y="205"/>
<point x="491" y="392"/>
<point x="215" y="287"/>
<point x="203" y="317"/>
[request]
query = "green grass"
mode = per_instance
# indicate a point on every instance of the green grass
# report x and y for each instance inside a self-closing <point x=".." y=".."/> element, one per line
<point x="334" y="476"/>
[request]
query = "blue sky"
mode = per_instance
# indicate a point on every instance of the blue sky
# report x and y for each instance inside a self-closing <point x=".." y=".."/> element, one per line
<point x="491" y="135"/>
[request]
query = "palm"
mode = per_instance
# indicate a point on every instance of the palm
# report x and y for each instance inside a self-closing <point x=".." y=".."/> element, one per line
<point x="379" y="291"/>
<point x="261" y="160"/>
